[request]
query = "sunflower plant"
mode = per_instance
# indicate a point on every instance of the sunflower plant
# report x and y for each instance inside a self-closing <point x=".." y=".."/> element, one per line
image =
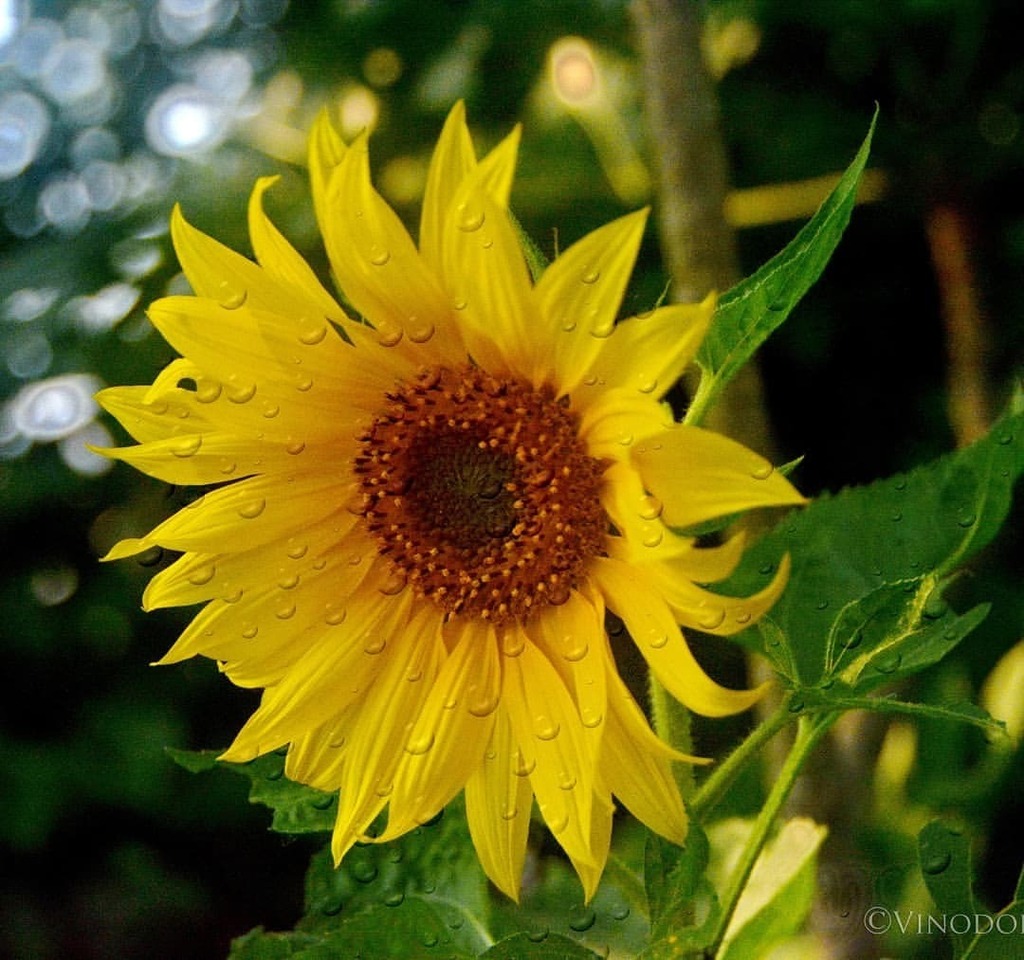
<point x="442" y="501"/>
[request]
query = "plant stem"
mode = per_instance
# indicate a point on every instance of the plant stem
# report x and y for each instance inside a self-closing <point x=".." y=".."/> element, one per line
<point x="721" y="776"/>
<point x="810" y="730"/>
<point x="672" y="724"/>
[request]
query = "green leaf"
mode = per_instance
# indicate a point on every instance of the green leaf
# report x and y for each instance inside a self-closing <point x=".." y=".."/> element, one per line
<point x="945" y="857"/>
<point x="998" y="940"/>
<point x="553" y="946"/>
<point x="401" y="928"/>
<point x="869" y="564"/>
<point x="436" y="861"/>
<point x="778" y="896"/>
<point x="296" y="808"/>
<point x="753" y="309"/>
<point x="683" y="906"/>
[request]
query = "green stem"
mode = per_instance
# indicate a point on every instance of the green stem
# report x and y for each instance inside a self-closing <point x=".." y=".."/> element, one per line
<point x="722" y="775"/>
<point x="809" y="731"/>
<point x="672" y="724"/>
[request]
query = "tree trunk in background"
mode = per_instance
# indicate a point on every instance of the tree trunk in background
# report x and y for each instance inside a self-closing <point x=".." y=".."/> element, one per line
<point x="699" y="248"/>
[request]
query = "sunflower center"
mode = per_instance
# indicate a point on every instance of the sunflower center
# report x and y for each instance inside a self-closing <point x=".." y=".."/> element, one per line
<point x="481" y="493"/>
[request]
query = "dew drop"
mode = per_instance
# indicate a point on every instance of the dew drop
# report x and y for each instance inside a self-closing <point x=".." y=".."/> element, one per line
<point x="289" y="583"/>
<point x="232" y="299"/>
<point x="1004" y="438"/>
<point x="297" y="550"/>
<point x="583" y="921"/>
<point x="658" y="640"/>
<point x="544" y="728"/>
<point x="590" y="276"/>
<point x="712" y="619"/>
<point x="187" y="447"/>
<point x="389" y="336"/>
<point x="646" y="384"/>
<point x="620" y="912"/>
<point x="762" y="472"/>
<point x="252" y="509"/>
<point x="566" y="781"/>
<point x="603" y="329"/>
<point x="394" y="899"/>
<point x="469" y="220"/>
<point x="653" y="538"/>
<point x="591" y="719"/>
<point x="313" y="335"/>
<point x="394" y="585"/>
<point x="228" y="467"/>
<point x="625" y="439"/>
<point x="241" y="394"/>
<point x="796" y="705"/>
<point x="650" y="508"/>
<point x="202" y="575"/>
<point x="937" y="863"/>
<point x="569" y="324"/>
<point x="270" y="410"/>
<point x="537" y="936"/>
<point x="285" y="612"/>
<point x="483" y="704"/>
<point x="363" y="871"/>
<point x="460" y="303"/>
<point x="420" y="331"/>
<point x="379" y="256"/>
<point x="967" y="520"/>
<point x="896" y="516"/>
<point x="513" y="643"/>
<point x="208" y="391"/>
<point x="523" y="767"/>
<point x="888" y="663"/>
<point x="375" y="645"/>
<point x="249" y="631"/>
<point x="420" y="745"/>
<point x="509" y="813"/>
<point x="303" y="382"/>
<point x="575" y="650"/>
<point x="295" y="447"/>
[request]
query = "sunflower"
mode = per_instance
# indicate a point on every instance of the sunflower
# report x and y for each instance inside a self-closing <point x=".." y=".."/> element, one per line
<point x="426" y="502"/>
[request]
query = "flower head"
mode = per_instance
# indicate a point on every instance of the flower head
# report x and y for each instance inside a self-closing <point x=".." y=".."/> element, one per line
<point x="423" y="514"/>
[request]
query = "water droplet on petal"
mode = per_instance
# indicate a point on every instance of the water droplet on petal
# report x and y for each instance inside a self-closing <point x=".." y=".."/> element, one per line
<point x="252" y="509"/>
<point x="646" y="384"/>
<point x="335" y="615"/>
<point x="575" y="649"/>
<point x="469" y="219"/>
<point x="418" y="746"/>
<point x="187" y="447"/>
<point x="295" y="447"/>
<point x="569" y="324"/>
<point x="482" y="704"/>
<point x="591" y="719"/>
<point x="389" y="336"/>
<point x="590" y="275"/>
<point x="419" y="331"/>
<point x="285" y="612"/>
<point x="513" y="643"/>
<point x="202" y="575"/>
<point x="289" y="583"/>
<point x="653" y="537"/>
<point x="379" y="256"/>
<point x="544" y="728"/>
<point x="657" y="639"/>
<point x="241" y="393"/>
<point x="762" y="472"/>
<point x="375" y="645"/>
<point x="208" y="391"/>
<point x="603" y="329"/>
<point x="250" y="630"/>
<point x="270" y="410"/>
<point x="650" y="508"/>
<point x="313" y="334"/>
<point x="566" y="781"/>
<point x="232" y="299"/>
<point x="523" y="767"/>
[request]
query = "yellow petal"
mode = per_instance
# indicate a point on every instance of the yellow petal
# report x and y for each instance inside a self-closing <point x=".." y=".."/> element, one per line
<point x="453" y="159"/>
<point x="579" y="297"/>
<point x="498" y="802"/>
<point x="589" y="871"/>
<point x="636" y="768"/>
<point x="375" y="743"/>
<point x="573" y="635"/>
<point x="449" y="737"/>
<point x="487" y="277"/>
<point x="316" y="758"/>
<point x="699" y="475"/>
<point x="712" y="612"/>
<point x="658" y="637"/>
<point x="649" y="354"/>
<point x="326" y="149"/>
<point x="613" y="421"/>
<point x="550" y="737"/>
<point x="331" y="674"/>
<point x="377" y="264"/>
<point x="281" y="260"/>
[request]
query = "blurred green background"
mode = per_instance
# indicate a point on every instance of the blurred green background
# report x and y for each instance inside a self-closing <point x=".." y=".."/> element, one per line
<point x="112" y="111"/>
